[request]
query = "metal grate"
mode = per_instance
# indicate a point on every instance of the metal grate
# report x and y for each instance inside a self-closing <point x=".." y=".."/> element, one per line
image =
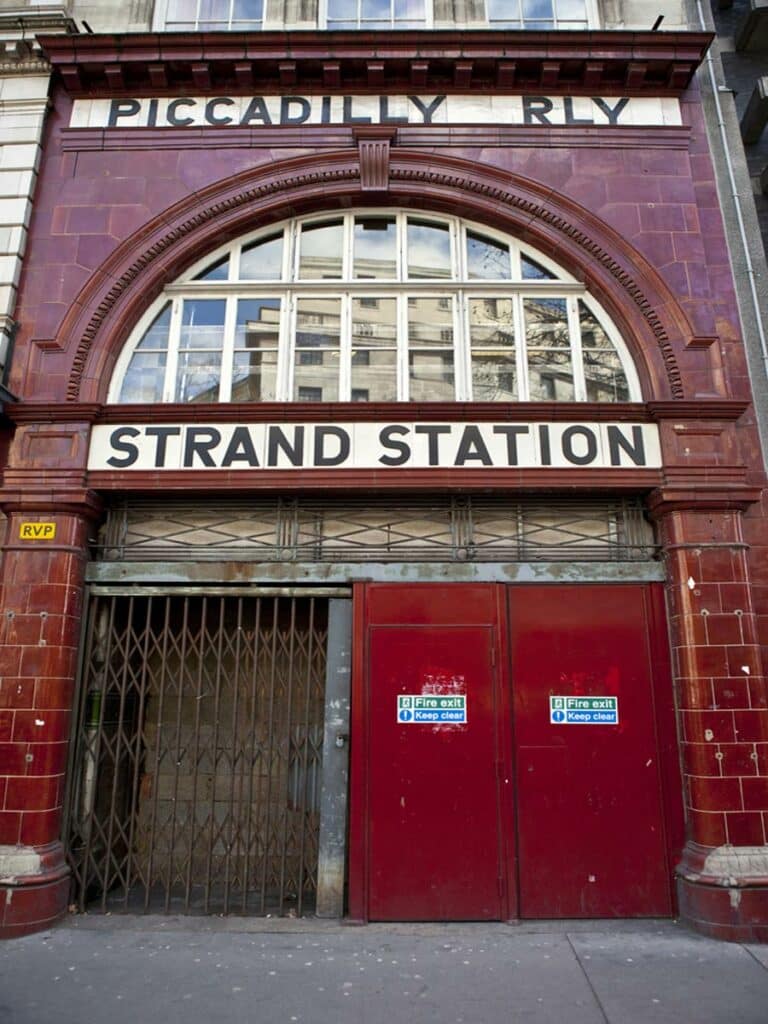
<point x="197" y="755"/>
<point x="462" y="529"/>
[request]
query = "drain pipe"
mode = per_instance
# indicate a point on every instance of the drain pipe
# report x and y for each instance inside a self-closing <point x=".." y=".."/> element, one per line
<point x="735" y="193"/>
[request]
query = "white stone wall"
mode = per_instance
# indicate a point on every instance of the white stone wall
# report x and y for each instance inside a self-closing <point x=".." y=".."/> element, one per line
<point x="24" y="81"/>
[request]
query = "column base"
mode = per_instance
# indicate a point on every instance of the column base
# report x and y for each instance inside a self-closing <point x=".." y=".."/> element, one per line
<point x="34" y="888"/>
<point x="723" y="892"/>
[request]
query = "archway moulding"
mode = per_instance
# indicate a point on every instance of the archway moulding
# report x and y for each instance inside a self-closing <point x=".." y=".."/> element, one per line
<point x="632" y="291"/>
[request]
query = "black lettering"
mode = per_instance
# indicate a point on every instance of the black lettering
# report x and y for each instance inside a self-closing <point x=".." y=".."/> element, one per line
<point x="256" y="111"/>
<point x="567" y="442"/>
<point x="612" y="113"/>
<point x="433" y="433"/>
<point x="198" y="442"/>
<point x="348" y="117"/>
<point x="321" y="459"/>
<point x="170" y="114"/>
<point x="120" y="445"/>
<point x="388" y="440"/>
<point x="536" y="107"/>
<point x="162" y="434"/>
<point x="152" y="114"/>
<point x="277" y="442"/>
<point x="618" y="442"/>
<point x="240" y="449"/>
<point x="544" y="446"/>
<point x="122" y="108"/>
<point x="427" y="109"/>
<point x="285" y="110"/>
<point x="210" y="110"/>
<point x="512" y="433"/>
<point x="325" y="110"/>
<point x="384" y="115"/>
<point x="570" y="118"/>
<point x="472" y="448"/>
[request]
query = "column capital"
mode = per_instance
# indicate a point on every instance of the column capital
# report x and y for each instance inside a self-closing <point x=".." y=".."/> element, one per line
<point x="679" y="498"/>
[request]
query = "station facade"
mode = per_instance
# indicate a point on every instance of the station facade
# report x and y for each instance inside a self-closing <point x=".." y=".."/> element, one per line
<point x="384" y="519"/>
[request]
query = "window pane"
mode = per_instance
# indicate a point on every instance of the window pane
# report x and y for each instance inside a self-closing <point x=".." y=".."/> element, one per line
<point x="317" y="330"/>
<point x="321" y="250"/>
<point x="218" y="271"/>
<point x="533" y="271"/>
<point x="214" y="14"/>
<point x="198" y="376"/>
<point x="550" y="373"/>
<point x="546" y="323"/>
<point x="605" y="377"/>
<point x="506" y="12"/>
<point x="538" y="10"/>
<point x="262" y="260"/>
<point x="374" y="350"/>
<point x="487" y="258"/>
<point x="375" y="10"/>
<point x="247" y="10"/>
<point x="156" y="335"/>
<point x="410" y="10"/>
<point x="430" y="350"/>
<point x="592" y="334"/>
<point x="257" y="333"/>
<point x="375" y="247"/>
<point x="492" y="337"/>
<point x="202" y="323"/>
<point x="342" y="10"/>
<point x="143" y="381"/>
<point x="429" y="250"/>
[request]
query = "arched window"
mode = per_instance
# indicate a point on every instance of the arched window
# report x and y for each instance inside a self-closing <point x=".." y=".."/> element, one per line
<point x="375" y="306"/>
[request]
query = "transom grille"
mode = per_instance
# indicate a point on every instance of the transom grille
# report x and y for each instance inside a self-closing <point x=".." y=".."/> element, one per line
<point x="467" y="528"/>
<point x="197" y="754"/>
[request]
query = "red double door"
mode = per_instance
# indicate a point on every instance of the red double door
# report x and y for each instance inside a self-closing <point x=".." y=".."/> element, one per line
<point x="471" y="800"/>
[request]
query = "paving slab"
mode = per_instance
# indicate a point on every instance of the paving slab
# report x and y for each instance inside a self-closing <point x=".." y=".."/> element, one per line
<point x="136" y="970"/>
<point x="665" y="977"/>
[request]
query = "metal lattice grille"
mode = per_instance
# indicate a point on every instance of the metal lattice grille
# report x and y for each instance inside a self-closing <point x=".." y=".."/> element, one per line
<point x="197" y="755"/>
<point x="452" y="529"/>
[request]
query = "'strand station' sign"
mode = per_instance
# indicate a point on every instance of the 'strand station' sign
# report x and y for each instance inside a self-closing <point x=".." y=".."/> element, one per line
<point x="391" y="445"/>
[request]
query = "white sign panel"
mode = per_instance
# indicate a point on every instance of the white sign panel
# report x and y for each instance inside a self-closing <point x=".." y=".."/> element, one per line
<point x="286" y="110"/>
<point x="584" y="710"/>
<point x="390" y="445"/>
<point x="433" y="709"/>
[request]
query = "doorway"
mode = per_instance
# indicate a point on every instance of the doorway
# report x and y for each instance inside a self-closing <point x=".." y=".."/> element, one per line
<point x="510" y="808"/>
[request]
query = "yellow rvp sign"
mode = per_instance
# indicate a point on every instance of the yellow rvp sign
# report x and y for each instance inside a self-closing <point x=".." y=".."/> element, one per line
<point x="37" y="531"/>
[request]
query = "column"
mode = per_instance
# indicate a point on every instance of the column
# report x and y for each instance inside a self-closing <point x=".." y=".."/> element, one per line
<point x="41" y="604"/>
<point x="722" y="713"/>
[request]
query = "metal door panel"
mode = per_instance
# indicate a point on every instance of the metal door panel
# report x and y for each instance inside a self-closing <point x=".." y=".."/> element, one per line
<point x="590" y="817"/>
<point x="427" y="795"/>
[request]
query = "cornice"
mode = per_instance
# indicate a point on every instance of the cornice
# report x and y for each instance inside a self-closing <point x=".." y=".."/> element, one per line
<point x="681" y="410"/>
<point x="632" y="63"/>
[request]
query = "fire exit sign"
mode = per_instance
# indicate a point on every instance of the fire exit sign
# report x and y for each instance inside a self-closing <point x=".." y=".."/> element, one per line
<point x="415" y="709"/>
<point x="584" y="710"/>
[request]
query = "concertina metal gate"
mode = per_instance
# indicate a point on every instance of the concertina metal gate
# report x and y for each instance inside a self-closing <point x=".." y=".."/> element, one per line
<point x="195" y="775"/>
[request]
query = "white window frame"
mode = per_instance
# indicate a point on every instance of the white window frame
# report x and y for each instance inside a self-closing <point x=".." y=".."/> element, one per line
<point x="160" y="15"/>
<point x="458" y="289"/>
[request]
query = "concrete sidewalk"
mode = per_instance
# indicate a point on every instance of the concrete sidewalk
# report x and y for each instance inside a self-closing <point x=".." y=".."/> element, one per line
<point x="141" y="970"/>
